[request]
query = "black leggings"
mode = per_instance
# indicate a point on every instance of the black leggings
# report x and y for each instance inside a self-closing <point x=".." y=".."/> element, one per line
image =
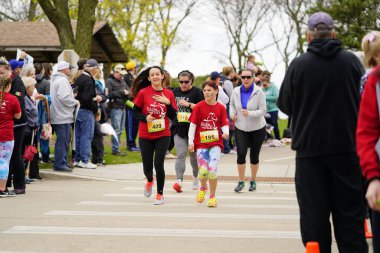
<point x="156" y="148"/>
<point x="245" y="140"/>
<point x="16" y="166"/>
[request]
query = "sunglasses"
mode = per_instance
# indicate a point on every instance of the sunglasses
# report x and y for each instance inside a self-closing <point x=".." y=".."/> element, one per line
<point x="246" y="77"/>
<point x="185" y="82"/>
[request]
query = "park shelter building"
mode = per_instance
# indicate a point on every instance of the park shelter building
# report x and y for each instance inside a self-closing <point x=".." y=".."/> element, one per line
<point x="41" y="41"/>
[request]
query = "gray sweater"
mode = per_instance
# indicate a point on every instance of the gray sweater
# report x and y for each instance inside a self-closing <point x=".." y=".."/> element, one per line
<point x="256" y="106"/>
<point x="62" y="100"/>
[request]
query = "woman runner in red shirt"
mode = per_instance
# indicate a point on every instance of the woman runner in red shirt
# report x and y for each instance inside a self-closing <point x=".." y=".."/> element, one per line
<point x="153" y="106"/>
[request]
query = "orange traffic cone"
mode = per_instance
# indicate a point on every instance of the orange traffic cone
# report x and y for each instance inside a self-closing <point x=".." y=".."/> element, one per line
<point x="368" y="234"/>
<point x="312" y="247"/>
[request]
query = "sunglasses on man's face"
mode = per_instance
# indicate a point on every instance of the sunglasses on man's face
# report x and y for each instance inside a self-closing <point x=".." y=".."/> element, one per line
<point x="185" y="82"/>
<point x="246" y="77"/>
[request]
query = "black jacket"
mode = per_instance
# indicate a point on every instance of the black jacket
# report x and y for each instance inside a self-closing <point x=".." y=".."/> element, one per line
<point x="85" y="86"/>
<point x="320" y="92"/>
<point x="116" y="95"/>
<point x="18" y="89"/>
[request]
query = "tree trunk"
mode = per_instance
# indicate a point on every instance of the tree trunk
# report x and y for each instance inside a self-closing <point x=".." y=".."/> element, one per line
<point x="85" y="26"/>
<point x="32" y="10"/>
<point x="59" y="16"/>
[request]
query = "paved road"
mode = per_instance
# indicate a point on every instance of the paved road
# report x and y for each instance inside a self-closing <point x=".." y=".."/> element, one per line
<point x="76" y="215"/>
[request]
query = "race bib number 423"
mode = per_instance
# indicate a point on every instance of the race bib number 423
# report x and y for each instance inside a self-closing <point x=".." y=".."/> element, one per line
<point x="156" y="125"/>
<point x="209" y="136"/>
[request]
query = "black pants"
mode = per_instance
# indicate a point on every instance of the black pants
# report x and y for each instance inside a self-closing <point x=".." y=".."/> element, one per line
<point x="16" y="166"/>
<point x="253" y="140"/>
<point x="156" y="148"/>
<point x="34" y="170"/>
<point x="331" y="185"/>
<point x="97" y="149"/>
<point x="375" y="225"/>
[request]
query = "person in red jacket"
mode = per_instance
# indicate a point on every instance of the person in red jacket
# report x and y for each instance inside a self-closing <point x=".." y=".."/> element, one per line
<point x="154" y="105"/>
<point x="368" y="131"/>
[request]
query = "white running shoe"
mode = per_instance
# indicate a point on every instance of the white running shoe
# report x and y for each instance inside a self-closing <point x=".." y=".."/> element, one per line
<point x="88" y="165"/>
<point x="159" y="200"/>
<point x="195" y="183"/>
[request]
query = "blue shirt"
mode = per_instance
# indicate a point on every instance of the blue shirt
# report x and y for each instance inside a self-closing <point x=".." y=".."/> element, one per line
<point x="245" y="94"/>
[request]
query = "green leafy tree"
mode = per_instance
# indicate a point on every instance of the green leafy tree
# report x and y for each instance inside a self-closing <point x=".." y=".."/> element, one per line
<point x="132" y="23"/>
<point x="353" y="18"/>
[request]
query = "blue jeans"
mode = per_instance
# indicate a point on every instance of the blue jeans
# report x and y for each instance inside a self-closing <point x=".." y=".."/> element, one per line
<point x="84" y="133"/>
<point x="131" y="127"/>
<point x="118" y="123"/>
<point x="274" y="119"/>
<point x="61" y="145"/>
<point x="43" y="118"/>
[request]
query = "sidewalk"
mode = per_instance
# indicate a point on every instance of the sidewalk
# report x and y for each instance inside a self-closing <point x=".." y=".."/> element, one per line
<point x="276" y="165"/>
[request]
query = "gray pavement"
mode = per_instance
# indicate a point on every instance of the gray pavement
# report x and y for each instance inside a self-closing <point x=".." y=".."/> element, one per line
<point x="276" y="164"/>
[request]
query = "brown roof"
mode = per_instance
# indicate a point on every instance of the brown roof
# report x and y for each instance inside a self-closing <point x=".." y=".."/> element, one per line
<point x="40" y="40"/>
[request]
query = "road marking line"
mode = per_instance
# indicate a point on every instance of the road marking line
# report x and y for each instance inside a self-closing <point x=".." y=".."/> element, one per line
<point x="237" y="196"/>
<point x="177" y="215"/>
<point x="155" y="232"/>
<point x="189" y="190"/>
<point x="110" y="203"/>
<point x="280" y="159"/>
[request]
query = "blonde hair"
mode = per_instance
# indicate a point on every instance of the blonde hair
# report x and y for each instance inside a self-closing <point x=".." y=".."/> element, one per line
<point x="371" y="47"/>
<point x="26" y="70"/>
<point x="5" y="81"/>
<point x="227" y="70"/>
<point x="28" y="81"/>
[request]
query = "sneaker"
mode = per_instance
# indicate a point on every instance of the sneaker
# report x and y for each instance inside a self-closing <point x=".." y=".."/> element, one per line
<point x="252" y="186"/>
<point x="66" y="169"/>
<point x="118" y="153"/>
<point x="28" y="180"/>
<point x="101" y="164"/>
<point x="37" y="178"/>
<point x="212" y="202"/>
<point x="148" y="188"/>
<point x="240" y="186"/>
<point x="201" y="196"/>
<point x="177" y="186"/>
<point x="88" y="165"/>
<point x="195" y="183"/>
<point x="74" y="163"/>
<point x="159" y="199"/>
<point x="6" y="194"/>
<point x="134" y="149"/>
<point x="170" y="156"/>
<point x="232" y="151"/>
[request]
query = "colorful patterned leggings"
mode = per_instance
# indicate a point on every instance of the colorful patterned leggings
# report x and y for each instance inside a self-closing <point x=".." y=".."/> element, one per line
<point x="6" y="149"/>
<point x="207" y="162"/>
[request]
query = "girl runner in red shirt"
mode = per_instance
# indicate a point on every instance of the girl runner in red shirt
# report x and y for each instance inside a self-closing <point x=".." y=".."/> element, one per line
<point x="9" y="109"/>
<point x="153" y="106"/>
<point x="208" y="125"/>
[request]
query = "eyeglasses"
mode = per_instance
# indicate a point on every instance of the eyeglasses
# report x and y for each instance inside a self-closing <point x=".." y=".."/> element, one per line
<point x="246" y="77"/>
<point x="185" y="82"/>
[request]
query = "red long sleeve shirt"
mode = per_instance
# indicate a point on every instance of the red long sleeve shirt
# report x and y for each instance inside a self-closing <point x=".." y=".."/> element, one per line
<point x="368" y="130"/>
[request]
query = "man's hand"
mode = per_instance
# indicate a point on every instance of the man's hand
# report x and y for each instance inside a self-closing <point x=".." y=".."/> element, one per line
<point x="225" y="136"/>
<point x="191" y="148"/>
<point x="99" y="98"/>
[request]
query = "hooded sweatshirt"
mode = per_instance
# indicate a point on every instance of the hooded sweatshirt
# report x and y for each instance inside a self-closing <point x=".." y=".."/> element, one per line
<point x="62" y="100"/>
<point x="320" y="92"/>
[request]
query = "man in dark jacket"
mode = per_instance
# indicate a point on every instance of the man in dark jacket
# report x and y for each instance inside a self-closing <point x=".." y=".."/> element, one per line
<point x="85" y="121"/>
<point x="320" y="92"/>
<point x="16" y="166"/>
<point x="117" y="91"/>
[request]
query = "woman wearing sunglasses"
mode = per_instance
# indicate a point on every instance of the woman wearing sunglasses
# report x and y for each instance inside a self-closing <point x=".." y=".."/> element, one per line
<point x="247" y="109"/>
<point x="186" y="97"/>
